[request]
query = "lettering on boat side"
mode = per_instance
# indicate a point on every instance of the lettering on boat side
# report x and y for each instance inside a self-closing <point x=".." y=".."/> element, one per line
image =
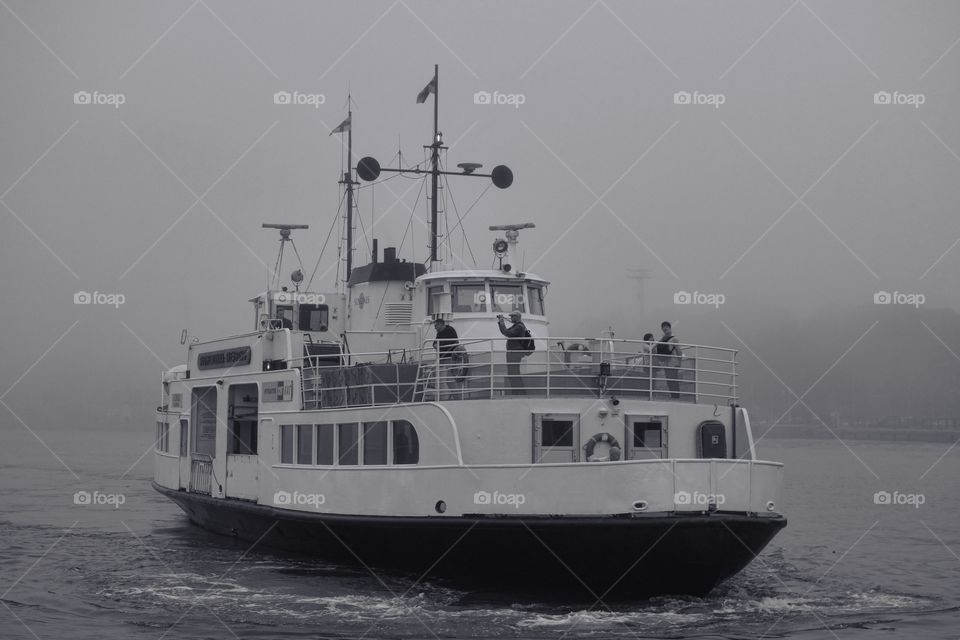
<point x="237" y="357"/>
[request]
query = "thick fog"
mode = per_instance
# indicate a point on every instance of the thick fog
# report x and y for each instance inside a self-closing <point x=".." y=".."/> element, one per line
<point x="785" y="161"/>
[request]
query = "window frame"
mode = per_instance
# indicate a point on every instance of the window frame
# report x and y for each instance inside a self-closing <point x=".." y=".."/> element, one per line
<point x="493" y="292"/>
<point x="555" y="452"/>
<point x="644" y="452"/>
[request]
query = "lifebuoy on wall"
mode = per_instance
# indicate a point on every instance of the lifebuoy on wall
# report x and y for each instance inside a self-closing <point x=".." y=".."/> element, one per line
<point x="615" y="449"/>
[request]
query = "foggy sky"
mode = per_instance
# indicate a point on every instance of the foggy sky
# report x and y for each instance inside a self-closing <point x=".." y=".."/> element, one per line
<point x="698" y="196"/>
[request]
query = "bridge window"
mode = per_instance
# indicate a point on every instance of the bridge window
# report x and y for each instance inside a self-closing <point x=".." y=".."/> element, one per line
<point x="469" y="298"/>
<point x="325" y="444"/>
<point x="314" y="317"/>
<point x="348" y="437"/>
<point x="285" y="315"/>
<point x="406" y="445"/>
<point x="535" y="300"/>
<point x="433" y="299"/>
<point x="374" y="443"/>
<point x="505" y="298"/>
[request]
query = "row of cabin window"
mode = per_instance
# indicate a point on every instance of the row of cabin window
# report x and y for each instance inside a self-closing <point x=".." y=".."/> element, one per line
<point x="377" y="443"/>
<point x="162" y="442"/>
<point x="503" y="298"/>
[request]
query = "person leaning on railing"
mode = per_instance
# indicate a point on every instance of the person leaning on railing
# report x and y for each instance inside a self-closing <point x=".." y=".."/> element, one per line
<point x="668" y="358"/>
<point x="516" y="350"/>
<point x="644" y="361"/>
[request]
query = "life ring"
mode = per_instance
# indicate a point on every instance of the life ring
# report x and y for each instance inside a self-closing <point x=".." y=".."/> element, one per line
<point x="602" y="437"/>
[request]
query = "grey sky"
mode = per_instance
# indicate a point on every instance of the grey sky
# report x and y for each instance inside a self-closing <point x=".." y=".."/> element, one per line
<point x="701" y="196"/>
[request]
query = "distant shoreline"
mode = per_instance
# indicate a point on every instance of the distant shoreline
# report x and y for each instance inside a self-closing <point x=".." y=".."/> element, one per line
<point x="888" y="434"/>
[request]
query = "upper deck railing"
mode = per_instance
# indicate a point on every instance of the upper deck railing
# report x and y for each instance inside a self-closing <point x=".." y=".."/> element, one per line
<point x="486" y="369"/>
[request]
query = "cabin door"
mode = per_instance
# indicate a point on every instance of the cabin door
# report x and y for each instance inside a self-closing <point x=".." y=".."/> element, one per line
<point x="184" y="432"/>
<point x="203" y="439"/>
<point x="243" y="466"/>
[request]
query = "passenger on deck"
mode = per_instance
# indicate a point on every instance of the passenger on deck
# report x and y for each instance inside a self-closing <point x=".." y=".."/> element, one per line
<point x="447" y="344"/>
<point x="515" y="351"/>
<point x="668" y="357"/>
<point x="447" y="339"/>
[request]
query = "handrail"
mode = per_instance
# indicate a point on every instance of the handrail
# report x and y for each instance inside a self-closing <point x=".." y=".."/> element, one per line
<point x="595" y="368"/>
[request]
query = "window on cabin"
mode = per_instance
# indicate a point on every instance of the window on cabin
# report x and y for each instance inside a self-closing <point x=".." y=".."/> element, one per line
<point x="325" y="444"/>
<point x="348" y="436"/>
<point x="286" y="443"/>
<point x="162" y="442"/>
<point x="374" y="443"/>
<point x="556" y="437"/>
<point x="469" y="298"/>
<point x="314" y="317"/>
<point x="433" y="299"/>
<point x="184" y="438"/>
<point x="646" y="437"/>
<point x="285" y="315"/>
<point x="505" y="298"/>
<point x="406" y="444"/>
<point x="304" y="444"/>
<point x="535" y="300"/>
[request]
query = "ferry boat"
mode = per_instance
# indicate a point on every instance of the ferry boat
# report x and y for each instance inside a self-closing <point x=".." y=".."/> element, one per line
<point x="339" y="426"/>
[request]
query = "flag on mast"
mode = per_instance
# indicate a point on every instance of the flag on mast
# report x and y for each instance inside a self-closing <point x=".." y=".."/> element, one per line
<point x="427" y="90"/>
<point x="343" y="126"/>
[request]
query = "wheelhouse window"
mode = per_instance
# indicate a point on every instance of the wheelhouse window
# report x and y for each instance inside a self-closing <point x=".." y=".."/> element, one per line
<point x="314" y="317"/>
<point x="433" y="299"/>
<point x="469" y="298"/>
<point x="535" y="300"/>
<point x="505" y="298"/>
<point x="285" y="316"/>
<point x="375" y="442"/>
<point x="348" y="437"/>
<point x="406" y="444"/>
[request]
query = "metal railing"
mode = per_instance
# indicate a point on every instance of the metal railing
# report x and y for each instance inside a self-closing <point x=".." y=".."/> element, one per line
<point x="486" y="368"/>
<point x="201" y="473"/>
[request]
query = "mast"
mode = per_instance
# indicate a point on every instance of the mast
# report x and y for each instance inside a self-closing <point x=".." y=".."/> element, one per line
<point x="348" y="181"/>
<point x="434" y="165"/>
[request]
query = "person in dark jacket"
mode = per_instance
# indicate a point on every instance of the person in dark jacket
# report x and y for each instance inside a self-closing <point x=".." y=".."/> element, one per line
<point x="515" y="334"/>
<point x="669" y="356"/>
<point x="446" y="343"/>
<point x="447" y="339"/>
